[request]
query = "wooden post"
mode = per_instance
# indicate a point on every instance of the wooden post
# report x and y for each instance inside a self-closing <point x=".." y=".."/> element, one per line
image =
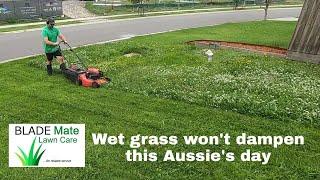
<point x="305" y="43"/>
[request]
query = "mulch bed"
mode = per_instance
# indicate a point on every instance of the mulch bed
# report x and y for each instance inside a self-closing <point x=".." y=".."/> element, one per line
<point x="266" y="50"/>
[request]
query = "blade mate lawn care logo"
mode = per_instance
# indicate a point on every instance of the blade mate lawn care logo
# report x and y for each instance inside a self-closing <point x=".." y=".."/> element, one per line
<point x="47" y="145"/>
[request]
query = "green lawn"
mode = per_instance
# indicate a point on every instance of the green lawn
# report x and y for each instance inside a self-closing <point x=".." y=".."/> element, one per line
<point x="24" y="21"/>
<point x="34" y="26"/>
<point x="171" y="89"/>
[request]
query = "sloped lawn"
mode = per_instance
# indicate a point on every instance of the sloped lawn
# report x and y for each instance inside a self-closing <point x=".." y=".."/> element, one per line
<point x="171" y="89"/>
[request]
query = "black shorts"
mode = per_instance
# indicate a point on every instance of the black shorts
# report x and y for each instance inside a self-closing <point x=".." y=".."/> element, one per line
<point x="50" y="56"/>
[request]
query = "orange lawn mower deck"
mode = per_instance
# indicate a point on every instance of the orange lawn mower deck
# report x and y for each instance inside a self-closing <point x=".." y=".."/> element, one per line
<point x="86" y="77"/>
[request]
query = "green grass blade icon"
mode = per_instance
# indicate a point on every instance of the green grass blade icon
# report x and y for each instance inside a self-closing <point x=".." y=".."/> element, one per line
<point x="38" y="158"/>
<point x="37" y="152"/>
<point x="22" y="160"/>
<point x="31" y="159"/>
<point x="25" y="158"/>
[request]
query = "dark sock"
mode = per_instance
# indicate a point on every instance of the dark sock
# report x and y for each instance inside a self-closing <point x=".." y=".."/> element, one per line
<point x="49" y="69"/>
<point x="63" y="66"/>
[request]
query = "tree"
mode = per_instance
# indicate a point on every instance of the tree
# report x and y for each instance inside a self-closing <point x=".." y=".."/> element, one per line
<point x="236" y="4"/>
<point x="267" y="2"/>
<point x="136" y="2"/>
<point x="141" y="4"/>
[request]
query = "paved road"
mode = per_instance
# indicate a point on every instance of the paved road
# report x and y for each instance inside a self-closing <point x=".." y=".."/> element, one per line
<point x="29" y="43"/>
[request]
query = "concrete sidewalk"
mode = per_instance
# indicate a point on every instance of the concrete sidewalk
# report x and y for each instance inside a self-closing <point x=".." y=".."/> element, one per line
<point x="97" y="18"/>
<point x="285" y="19"/>
<point x="76" y="9"/>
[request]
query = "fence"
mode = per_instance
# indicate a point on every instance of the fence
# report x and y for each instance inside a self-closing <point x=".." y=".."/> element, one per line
<point x="29" y="9"/>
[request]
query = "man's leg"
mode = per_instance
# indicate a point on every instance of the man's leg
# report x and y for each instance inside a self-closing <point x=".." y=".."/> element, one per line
<point x="61" y="62"/>
<point x="60" y="59"/>
<point x="49" y="63"/>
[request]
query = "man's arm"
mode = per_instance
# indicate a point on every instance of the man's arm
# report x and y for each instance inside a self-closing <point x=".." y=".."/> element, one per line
<point x="46" y="40"/>
<point x="63" y="39"/>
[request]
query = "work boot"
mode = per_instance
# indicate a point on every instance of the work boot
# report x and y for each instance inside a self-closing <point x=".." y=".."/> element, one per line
<point x="63" y="67"/>
<point x="49" y="69"/>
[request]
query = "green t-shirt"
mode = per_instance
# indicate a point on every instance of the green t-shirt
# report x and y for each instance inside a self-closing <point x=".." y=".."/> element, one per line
<point x="52" y="35"/>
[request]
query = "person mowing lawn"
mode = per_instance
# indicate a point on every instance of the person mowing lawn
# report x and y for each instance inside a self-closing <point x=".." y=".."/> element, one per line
<point x="50" y="35"/>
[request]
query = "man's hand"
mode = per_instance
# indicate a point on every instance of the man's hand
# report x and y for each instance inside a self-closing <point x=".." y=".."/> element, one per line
<point x="56" y="43"/>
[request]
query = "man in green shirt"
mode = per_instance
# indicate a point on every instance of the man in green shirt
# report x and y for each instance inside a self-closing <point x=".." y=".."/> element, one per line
<point x="50" y="35"/>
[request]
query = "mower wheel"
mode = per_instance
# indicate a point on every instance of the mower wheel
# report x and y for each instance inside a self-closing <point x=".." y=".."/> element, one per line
<point x="78" y="82"/>
<point x="95" y="85"/>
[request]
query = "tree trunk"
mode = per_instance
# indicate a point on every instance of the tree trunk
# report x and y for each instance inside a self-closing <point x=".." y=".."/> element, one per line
<point x="266" y="10"/>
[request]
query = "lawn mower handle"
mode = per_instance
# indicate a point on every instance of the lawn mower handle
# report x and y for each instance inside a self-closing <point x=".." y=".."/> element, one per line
<point x="71" y="49"/>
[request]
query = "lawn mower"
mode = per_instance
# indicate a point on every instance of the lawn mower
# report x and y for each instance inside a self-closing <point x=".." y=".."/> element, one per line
<point x="81" y="75"/>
